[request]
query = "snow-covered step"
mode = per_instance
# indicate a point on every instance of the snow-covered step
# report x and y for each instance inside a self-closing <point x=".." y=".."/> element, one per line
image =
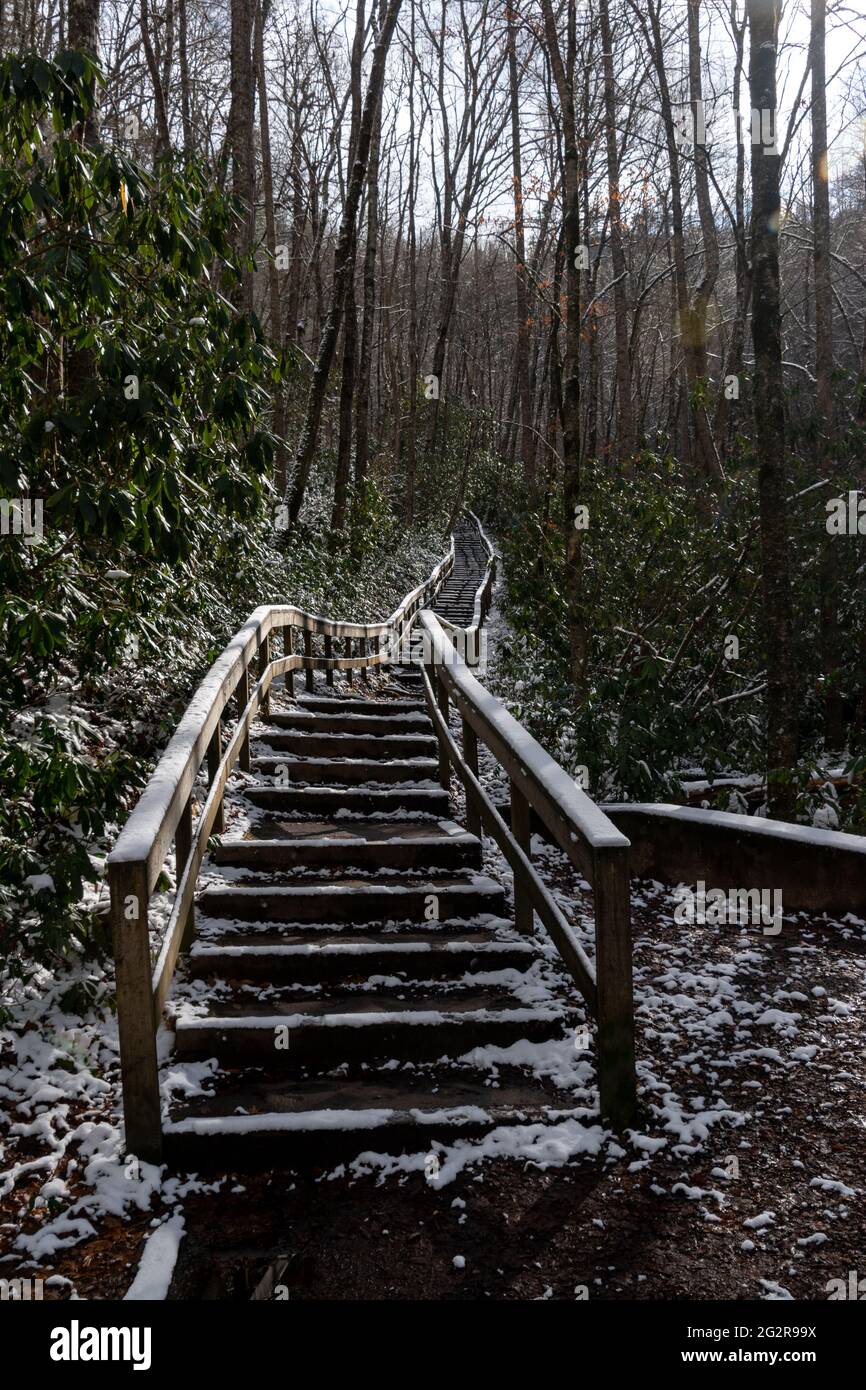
<point x="419" y="957"/>
<point x="346" y="771"/>
<point x="429" y="801"/>
<point x="287" y="1121"/>
<point x="363" y="1029"/>
<point x="348" y="723"/>
<point x="370" y="844"/>
<point x="358" y="900"/>
<point x="354" y="745"/>
<point x="347" y="704"/>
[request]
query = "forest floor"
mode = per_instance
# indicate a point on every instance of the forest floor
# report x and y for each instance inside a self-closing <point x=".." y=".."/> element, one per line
<point x="744" y="1179"/>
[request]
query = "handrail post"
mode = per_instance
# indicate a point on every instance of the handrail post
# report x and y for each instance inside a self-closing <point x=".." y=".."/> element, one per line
<point x="329" y="652"/>
<point x="362" y="650"/>
<point x="349" y="672"/>
<point x="289" y="650"/>
<point x="182" y="849"/>
<point x="470" y="758"/>
<point x="264" y="662"/>
<point x="214" y="758"/>
<point x="617" y="1083"/>
<point x="442" y="701"/>
<point x="243" y="700"/>
<point x="308" y="655"/>
<point x="521" y="828"/>
<point x="136" y="1024"/>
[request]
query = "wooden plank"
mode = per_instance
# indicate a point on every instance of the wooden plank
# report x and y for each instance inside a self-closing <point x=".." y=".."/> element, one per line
<point x="559" y="929"/>
<point x="617" y="1082"/>
<point x="135" y="1019"/>
<point x="183" y="848"/>
<point x="576" y="823"/>
<point x="244" y="697"/>
<point x="523" y="835"/>
<point x="264" y="662"/>
<point x="308" y="654"/>
<point x="470" y="757"/>
<point x="173" y="937"/>
<point x="214" y="758"/>
<point x="444" y="762"/>
<point x="289" y="650"/>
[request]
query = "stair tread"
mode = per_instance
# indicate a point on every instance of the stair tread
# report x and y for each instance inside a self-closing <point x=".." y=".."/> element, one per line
<point x="363" y="1008"/>
<point x="307" y="1097"/>
<point x="368" y="831"/>
<point x="397" y="883"/>
<point x="362" y="942"/>
<point x="339" y="704"/>
<point x="214" y="929"/>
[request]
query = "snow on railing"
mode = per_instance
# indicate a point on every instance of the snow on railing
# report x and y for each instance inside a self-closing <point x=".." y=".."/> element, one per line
<point x="164" y="813"/>
<point x="580" y="828"/>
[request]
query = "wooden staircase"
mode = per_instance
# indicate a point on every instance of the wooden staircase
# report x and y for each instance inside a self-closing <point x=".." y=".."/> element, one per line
<point x="348" y="949"/>
<point x="337" y="956"/>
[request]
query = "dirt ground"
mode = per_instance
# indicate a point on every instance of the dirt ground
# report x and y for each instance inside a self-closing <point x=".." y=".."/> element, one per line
<point x="782" y="1045"/>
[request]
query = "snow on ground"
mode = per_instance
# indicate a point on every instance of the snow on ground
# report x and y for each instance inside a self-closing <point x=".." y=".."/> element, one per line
<point x="736" y="1032"/>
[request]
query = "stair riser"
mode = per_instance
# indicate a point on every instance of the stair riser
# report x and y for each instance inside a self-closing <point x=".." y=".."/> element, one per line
<point x="327" y="801"/>
<point x="314" y="1149"/>
<point x="310" y="969"/>
<point x="349" y="774"/>
<point x="373" y="1042"/>
<point x="360" y="724"/>
<point x="374" y="906"/>
<point x="315" y="745"/>
<point x="380" y="709"/>
<point x="411" y="854"/>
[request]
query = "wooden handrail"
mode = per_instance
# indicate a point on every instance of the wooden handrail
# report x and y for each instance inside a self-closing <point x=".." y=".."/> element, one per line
<point x="579" y="827"/>
<point x="164" y="814"/>
<point x="481" y="606"/>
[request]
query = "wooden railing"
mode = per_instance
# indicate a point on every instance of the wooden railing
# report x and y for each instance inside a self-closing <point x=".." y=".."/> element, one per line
<point x="483" y="595"/>
<point x="244" y="674"/>
<point x="579" y="828"/>
<point x="164" y="815"/>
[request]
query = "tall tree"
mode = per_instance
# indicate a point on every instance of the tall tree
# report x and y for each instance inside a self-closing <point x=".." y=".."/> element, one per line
<point x="344" y="265"/>
<point x="82" y="32"/>
<point x="821" y="264"/>
<point x="625" y="406"/>
<point x="521" y="288"/>
<point x="770" y="423"/>
<point x="563" y="66"/>
<point x="240" y="135"/>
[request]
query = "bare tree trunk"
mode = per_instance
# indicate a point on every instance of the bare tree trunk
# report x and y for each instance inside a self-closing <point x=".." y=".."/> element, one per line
<point x="362" y="403"/>
<point x="773" y="483"/>
<point x="563" y="76"/>
<point x="240" y="136"/>
<point x="183" y="58"/>
<point x="625" y="407"/>
<point x="83" y="33"/>
<point x="527" y="438"/>
<point x="411" y="437"/>
<point x="262" y="9"/>
<point x="733" y="366"/>
<point x="829" y="565"/>
<point x="162" y="139"/>
<point x="350" y="316"/>
<point x="343" y="267"/>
